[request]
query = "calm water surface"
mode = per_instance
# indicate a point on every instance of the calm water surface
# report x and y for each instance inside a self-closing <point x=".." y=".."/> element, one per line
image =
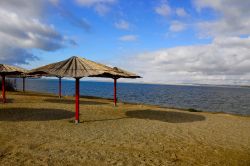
<point x="215" y="99"/>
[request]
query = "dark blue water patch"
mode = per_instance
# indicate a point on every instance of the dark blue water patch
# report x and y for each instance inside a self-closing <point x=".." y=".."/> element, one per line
<point x="234" y="100"/>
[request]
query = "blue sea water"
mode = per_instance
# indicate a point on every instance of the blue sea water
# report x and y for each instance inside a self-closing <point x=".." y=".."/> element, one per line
<point x="234" y="100"/>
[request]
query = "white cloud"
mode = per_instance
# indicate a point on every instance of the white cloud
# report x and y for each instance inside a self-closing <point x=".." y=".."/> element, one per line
<point x="102" y="7"/>
<point x="224" y="61"/>
<point x="54" y="2"/>
<point x="177" y="26"/>
<point x="233" y="18"/>
<point x="181" y="12"/>
<point x="122" y="24"/>
<point x="163" y="9"/>
<point x="94" y="2"/>
<point x="128" y="38"/>
<point x="21" y="31"/>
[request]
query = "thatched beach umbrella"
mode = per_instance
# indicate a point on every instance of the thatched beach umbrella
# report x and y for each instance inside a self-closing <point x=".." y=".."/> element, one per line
<point x="8" y="70"/>
<point x="115" y="74"/>
<point x="74" y="67"/>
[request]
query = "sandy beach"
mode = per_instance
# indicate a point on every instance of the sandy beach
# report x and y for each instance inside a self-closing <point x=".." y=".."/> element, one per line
<point x="38" y="129"/>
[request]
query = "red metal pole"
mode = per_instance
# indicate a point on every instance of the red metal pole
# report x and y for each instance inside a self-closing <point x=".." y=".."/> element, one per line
<point x="115" y="92"/>
<point x="77" y="101"/>
<point x="23" y="84"/>
<point x="3" y="88"/>
<point x="60" y="87"/>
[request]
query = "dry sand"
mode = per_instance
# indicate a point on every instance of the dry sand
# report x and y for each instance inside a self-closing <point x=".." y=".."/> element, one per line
<point x="38" y="129"/>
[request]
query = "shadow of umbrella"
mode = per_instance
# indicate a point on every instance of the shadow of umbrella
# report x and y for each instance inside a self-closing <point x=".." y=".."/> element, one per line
<point x="165" y="116"/>
<point x="68" y="101"/>
<point x="8" y="100"/>
<point x="33" y="114"/>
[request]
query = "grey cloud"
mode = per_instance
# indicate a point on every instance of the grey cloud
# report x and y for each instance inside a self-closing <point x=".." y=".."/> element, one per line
<point x="9" y="55"/>
<point x="25" y="8"/>
<point x="28" y="33"/>
<point x="22" y="29"/>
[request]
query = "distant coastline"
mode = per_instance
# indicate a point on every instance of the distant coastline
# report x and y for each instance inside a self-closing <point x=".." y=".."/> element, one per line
<point x="149" y="83"/>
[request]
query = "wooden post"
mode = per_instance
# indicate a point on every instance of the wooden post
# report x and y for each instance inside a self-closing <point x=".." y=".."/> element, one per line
<point x="60" y="87"/>
<point x="77" y="101"/>
<point x="3" y="88"/>
<point x="115" y="98"/>
<point x="23" y="84"/>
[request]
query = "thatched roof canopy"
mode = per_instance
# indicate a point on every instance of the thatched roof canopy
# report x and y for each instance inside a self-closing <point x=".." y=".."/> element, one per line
<point x="117" y="73"/>
<point x="11" y="70"/>
<point x="78" y="67"/>
<point x="75" y="67"/>
<point x="125" y="74"/>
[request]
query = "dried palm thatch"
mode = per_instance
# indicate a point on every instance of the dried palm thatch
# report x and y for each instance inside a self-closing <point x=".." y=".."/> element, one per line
<point x="78" y="67"/>
<point x="11" y="70"/>
<point x="75" y="67"/>
<point x="116" y="73"/>
<point x="125" y="74"/>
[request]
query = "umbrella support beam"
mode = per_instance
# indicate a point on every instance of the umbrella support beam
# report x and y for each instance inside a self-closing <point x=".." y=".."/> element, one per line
<point x="77" y="101"/>
<point x="115" y="98"/>
<point x="3" y="88"/>
<point x="60" y="87"/>
<point x="23" y="84"/>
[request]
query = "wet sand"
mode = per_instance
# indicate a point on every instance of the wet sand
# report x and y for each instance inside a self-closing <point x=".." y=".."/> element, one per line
<point x="38" y="129"/>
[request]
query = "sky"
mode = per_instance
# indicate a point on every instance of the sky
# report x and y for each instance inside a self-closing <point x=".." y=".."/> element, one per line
<point x="164" y="41"/>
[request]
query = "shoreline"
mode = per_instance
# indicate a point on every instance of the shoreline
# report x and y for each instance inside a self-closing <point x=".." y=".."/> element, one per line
<point x="206" y="99"/>
<point x="154" y="105"/>
<point x="152" y="83"/>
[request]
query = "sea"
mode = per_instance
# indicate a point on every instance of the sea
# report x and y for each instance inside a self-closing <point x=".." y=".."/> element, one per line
<point x="227" y="99"/>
